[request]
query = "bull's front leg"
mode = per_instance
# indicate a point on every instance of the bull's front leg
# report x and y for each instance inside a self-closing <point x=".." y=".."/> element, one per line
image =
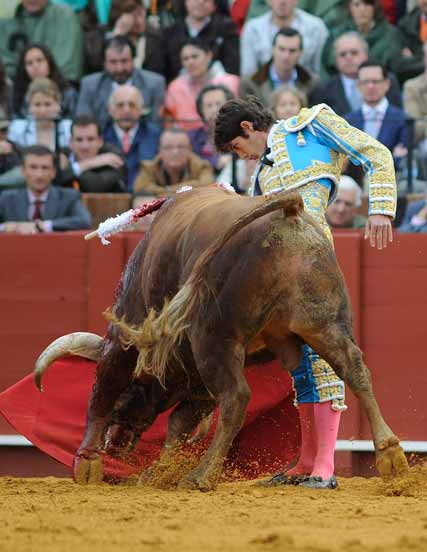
<point x="390" y="458"/>
<point x="168" y="469"/>
<point x="222" y="373"/>
<point x="346" y="359"/>
<point x="114" y="372"/>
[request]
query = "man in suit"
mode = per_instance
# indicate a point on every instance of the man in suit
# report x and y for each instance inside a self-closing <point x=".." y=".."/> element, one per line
<point x="41" y="207"/>
<point x="376" y="116"/>
<point x="92" y="166"/>
<point x="341" y="91"/>
<point x="283" y="68"/>
<point x="415" y="219"/>
<point x="136" y="138"/>
<point x="119" y="69"/>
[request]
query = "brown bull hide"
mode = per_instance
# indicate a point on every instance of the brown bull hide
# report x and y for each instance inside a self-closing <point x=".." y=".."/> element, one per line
<point x="220" y="276"/>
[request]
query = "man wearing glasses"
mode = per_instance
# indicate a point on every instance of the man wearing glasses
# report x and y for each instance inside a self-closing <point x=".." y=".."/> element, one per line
<point x="341" y="91"/>
<point x="376" y="116"/>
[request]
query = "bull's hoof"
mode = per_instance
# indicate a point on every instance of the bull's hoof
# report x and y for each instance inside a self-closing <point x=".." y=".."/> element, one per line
<point x="391" y="459"/>
<point x="200" y="480"/>
<point x="194" y="484"/>
<point x="88" y="471"/>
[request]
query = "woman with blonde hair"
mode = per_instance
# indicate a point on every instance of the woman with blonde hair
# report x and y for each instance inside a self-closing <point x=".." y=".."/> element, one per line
<point x="42" y="125"/>
<point x="287" y="102"/>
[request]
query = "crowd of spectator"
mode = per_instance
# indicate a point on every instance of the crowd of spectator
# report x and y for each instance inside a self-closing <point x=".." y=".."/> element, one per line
<point x="120" y="96"/>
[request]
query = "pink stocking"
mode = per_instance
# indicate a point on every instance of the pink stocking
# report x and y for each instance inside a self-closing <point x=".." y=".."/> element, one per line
<point x="305" y="462"/>
<point x="327" y="422"/>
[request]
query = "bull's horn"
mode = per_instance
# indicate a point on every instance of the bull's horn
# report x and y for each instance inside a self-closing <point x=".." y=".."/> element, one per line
<point x="84" y="344"/>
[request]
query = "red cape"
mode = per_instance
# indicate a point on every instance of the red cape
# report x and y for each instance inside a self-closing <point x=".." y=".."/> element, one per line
<point x="54" y="421"/>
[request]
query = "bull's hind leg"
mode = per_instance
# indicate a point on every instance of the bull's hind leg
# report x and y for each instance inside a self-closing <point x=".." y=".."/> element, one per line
<point x="345" y="357"/>
<point x="220" y="363"/>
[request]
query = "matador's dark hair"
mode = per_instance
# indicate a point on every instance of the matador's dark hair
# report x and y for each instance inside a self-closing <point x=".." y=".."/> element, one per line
<point x="232" y="113"/>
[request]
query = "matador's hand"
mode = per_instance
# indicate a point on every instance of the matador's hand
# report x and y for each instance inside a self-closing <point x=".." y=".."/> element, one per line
<point x="378" y="230"/>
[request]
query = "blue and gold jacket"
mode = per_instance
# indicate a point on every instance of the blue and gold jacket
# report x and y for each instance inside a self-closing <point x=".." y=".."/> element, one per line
<point x="313" y="146"/>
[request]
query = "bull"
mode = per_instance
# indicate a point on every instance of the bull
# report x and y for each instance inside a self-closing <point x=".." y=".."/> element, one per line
<point x="218" y="278"/>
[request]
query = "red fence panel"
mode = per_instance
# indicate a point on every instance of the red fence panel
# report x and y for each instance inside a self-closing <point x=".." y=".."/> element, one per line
<point x="55" y="284"/>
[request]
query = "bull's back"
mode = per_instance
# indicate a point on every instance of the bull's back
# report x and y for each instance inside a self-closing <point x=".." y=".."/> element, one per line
<point x="183" y="229"/>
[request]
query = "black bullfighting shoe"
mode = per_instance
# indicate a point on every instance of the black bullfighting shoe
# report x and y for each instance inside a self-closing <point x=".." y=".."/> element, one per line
<point x="282" y="479"/>
<point x="316" y="482"/>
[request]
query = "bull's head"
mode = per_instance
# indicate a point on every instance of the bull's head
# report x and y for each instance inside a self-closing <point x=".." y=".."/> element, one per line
<point x="134" y="412"/>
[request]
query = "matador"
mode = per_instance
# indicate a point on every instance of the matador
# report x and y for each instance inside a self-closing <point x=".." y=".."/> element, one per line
<point x="307" y="153"/>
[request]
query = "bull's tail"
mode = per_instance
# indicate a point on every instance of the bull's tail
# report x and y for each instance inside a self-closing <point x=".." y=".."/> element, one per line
<point x="159" y="337"/>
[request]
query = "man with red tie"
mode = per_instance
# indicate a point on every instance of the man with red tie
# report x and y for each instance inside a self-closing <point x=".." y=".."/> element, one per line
<point x="39" y="206"/>
<point x="136" y="137"/>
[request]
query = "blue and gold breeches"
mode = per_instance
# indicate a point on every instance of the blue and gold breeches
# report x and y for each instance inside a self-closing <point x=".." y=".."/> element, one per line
<point x="314" y="380"/>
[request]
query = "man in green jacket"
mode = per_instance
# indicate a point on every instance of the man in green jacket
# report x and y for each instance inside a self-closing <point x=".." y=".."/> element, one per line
<point x="55" y="25"/>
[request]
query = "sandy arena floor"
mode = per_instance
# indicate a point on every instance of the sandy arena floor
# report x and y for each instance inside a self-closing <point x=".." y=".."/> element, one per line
<point x="53" y="514"/>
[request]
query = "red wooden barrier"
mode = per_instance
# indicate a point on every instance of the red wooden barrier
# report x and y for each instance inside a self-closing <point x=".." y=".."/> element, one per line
<point x="394" y="332"/>
<point x="55" y="284"/>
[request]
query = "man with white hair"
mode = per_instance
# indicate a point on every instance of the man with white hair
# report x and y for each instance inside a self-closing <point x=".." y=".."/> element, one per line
<point x="137" y="138"/>
<point x="342" y="212"/>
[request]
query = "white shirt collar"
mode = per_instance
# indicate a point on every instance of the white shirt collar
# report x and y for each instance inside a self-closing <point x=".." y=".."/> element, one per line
<point x="116" y="84"/>
<point x="380" y="108"/>
<point x="32" y="198"/>
<point x="120" y="132"/>
<point x="348" y="82"/>
<point x="276" y="80"/>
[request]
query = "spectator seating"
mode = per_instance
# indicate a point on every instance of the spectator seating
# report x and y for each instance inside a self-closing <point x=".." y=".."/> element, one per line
<point x="103" y="206"/>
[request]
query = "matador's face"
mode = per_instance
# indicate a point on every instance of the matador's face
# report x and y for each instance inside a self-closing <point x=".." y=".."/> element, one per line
<point x="251" y="145"/>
